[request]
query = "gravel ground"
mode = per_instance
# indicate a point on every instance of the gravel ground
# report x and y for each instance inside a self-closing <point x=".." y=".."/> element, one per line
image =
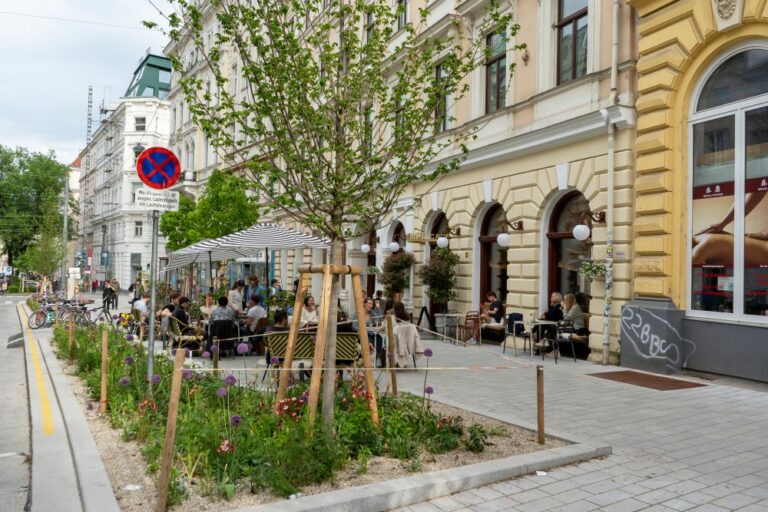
<point x="136" y="491"/>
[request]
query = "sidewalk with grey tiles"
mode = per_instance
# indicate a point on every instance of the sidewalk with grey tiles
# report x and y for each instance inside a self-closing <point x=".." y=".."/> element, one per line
<point x="701" y="449"/>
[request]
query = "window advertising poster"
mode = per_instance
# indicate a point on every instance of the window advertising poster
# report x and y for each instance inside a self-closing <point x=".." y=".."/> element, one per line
<point x="712" y="248"/>
<point x="756" y="213"/>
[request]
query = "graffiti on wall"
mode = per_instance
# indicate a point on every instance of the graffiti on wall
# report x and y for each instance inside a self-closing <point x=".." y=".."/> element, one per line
<point x="654" y="338"/>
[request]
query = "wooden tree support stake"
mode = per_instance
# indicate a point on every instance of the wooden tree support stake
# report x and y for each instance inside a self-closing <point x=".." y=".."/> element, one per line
<point x="104" y="353"/>
<point x="170" y="432"/>
<point x="391" y="354"/>
<point x="370" y="382"/>
<point x="71" y="337"/>
<point x="540" y="401"/>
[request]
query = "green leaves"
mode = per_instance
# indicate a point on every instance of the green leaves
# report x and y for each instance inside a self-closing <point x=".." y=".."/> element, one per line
<point x="332" y="109"/>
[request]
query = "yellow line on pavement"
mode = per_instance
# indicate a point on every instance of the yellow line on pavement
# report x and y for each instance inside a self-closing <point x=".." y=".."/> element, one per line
<point x="45" y="404"/>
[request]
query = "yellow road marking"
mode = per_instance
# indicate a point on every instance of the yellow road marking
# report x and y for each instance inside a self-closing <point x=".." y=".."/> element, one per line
<point x="45" y="404"/>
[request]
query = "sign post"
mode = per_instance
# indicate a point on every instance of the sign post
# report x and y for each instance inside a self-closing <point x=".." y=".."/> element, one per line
<point x="158" y="168"/>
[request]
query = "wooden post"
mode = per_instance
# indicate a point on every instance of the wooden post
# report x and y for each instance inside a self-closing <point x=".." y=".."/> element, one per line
<point x="56" y="313"/>
<point x="170" y="432"/>
<point x="298" y="305"/>
<point x="391" y="354"/>
<point x="216" y="356"/>
<point x="362" y="334"/>
<point x="71" y="337"/>
<point x="540" y="401"/>
<point x="319" y="357"/>
<point x="104" y="352"/>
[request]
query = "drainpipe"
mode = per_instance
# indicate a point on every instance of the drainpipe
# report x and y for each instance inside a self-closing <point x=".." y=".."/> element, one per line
<point x="611" y="166"/>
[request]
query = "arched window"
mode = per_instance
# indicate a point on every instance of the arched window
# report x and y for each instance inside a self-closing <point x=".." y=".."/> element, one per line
<point x="398" y="235"/>
<point x="565" y="252"/>
<point x="439" y="228"/>
<point x="493" y="257"/>
<point x="728" y="185"/>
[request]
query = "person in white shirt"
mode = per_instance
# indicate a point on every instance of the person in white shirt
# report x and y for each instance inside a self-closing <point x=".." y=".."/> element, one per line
<point x="255" y="313"/>
<point x="235" y="296"/>
<point x="142" y="305"/>
<point x="309" y="318"/>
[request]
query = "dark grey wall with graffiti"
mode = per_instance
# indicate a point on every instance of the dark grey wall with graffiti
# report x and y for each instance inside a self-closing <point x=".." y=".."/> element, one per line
<point x="657" y="337"/>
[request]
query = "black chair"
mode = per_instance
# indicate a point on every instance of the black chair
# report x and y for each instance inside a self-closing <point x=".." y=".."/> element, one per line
<point x="227" y="331"/>
<point x="518" y="332"/>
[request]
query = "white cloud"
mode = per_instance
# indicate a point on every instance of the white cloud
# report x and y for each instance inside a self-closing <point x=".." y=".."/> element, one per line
<point x="47" y="66"/>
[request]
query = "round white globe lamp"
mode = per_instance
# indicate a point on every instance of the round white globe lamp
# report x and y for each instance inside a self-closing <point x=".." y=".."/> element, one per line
<point x="394" y="246"/>
<point x="442" y="242"/>
<point x="503" y="239"/>
<point x="581" y="232"/>
<point x="365" y="248"/>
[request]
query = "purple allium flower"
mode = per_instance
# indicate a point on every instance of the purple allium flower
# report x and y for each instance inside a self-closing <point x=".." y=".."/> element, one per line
<point x="427" y="352"/>
<point x="275" y="360"/>
<point x="428" y="390"/>
<point x="186" y="374"/>
<point x="128" y="360"/>
<point x="173" y="351"/>
<point x="230" y="380"/>
<point x="235" y="420"/>
<point x="156" y="379"/>
<point x="222" y="392"/>
<point x="243" y="348"/>
<point x="115" y="317"/>
<point x="129" y="337"/>
<point x="206" y="354"/>
<point x="124" y="381"/>
<point x="214" y="349"/>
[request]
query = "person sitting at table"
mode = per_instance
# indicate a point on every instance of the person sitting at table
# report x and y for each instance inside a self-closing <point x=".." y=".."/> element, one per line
<point x="223" y="311"/>
<point x="406" y="338"/>
<point x="255" y="313"/>
<point x="580" y="336"/>
<point x="235" y="296"/>
<point x="181" y="314"/>
<point x="142" y="305"/>
<point x="279" y="324"/>
<point x="374" y="338"/>
<point x="309" y="314"/>
<point x="492" y="312"/>
<point x="275" y="288"/>
<point x="208" y="306"/>
<point x="554" y="313"/>
<point x="254" y="288"/>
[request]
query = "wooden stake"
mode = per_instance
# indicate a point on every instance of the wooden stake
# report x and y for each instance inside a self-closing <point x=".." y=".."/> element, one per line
<point x="391" y="354"/>
<point x="298" y="305"/>
<point x="56" y="313"/>
<point x="170" y="432"/>
<point x="71" y="337"/>
<point x="319" y="357"/>
<point x="104" y="352"/>
<point x="362" y="334"/>
<point x="540" y="400"/>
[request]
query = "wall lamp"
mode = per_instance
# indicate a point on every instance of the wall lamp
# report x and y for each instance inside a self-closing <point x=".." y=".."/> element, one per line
<point x="503" y="239"/>
<point x="442" y="240"/>
<point x="582" y="231"/>
<point x="366" y="247"/>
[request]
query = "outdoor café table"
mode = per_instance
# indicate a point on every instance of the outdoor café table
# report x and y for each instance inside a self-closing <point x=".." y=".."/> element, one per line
<point x="529" y="326"/>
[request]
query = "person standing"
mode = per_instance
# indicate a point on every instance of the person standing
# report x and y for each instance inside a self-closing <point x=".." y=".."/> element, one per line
<point x="235" y="296"/>
<point x="135" y="289"/>
<point x="116" y="287"/>
<point x="107" y="295"/>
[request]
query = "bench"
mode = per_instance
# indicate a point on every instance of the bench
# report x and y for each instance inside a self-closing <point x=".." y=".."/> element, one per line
<point x="347" y="347"/>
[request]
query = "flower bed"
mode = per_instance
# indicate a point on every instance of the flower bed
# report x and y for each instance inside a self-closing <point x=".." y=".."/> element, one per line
<point x="229" y="436"/>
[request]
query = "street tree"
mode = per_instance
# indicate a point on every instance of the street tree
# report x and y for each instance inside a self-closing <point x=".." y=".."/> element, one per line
<point x="224" y="207"/>
<point x="334" y="107"/>
<point x="45" y="253"/>
<point x="25" y="178"/>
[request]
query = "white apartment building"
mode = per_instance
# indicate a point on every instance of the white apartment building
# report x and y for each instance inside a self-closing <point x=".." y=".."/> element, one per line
<point x="115" y="235"/>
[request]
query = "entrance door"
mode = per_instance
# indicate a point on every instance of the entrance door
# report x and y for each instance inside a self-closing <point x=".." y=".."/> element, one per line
<point x="565" y="251"/>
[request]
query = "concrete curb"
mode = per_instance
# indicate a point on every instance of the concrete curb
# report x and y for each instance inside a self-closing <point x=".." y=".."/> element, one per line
<point x="409" y="490"/>
<point x="90" y="476"/>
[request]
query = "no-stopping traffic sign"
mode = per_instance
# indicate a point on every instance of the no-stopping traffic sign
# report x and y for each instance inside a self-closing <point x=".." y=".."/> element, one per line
<point x="158" y="168"/>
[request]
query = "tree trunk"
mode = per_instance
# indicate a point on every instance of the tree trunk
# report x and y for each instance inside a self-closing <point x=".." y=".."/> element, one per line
<point x="329" y="375"/>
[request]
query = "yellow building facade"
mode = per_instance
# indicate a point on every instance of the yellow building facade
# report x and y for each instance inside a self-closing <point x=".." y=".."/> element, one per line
<point x="700" y="262"/>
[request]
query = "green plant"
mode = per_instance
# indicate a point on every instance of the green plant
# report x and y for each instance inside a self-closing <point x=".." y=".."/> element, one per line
<point x="371" y="270"/>
<point x="592" y="268"/>
<point x="33" y="304"/>
<point x="439" y="274"/>
<point x="476" y="439"/>
<point x="395" y="272"/>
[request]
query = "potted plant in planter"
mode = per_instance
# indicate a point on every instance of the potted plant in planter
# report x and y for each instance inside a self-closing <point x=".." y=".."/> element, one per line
<point x="395" y="273"/>
<point x="592" y="269"/>
<point x="439" y="274"/>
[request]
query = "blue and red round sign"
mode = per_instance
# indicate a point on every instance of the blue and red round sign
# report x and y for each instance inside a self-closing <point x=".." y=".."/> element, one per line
<point x="158" y="168"/>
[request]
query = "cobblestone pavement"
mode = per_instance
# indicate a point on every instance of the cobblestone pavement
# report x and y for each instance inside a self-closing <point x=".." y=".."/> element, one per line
<point x="702" y="449"/>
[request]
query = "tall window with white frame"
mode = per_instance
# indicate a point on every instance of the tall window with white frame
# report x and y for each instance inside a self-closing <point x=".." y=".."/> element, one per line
<point x="140" y="124"/>
<point x="138" y="229"/>
<point x="495" y="72"/>
<point x="441" y="105"/>
<point x="572" y="41"/>
<point x="728" y="191"/>
<point x="370" y="25"/>
<point x="402" y="14"/>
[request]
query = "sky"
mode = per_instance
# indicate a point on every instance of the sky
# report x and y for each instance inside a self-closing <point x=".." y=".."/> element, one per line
<point x="47" y="65"/>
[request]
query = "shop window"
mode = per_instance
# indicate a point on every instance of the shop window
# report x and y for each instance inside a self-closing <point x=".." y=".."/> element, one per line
<point x="493" y="257"/>
<point x="728" y="225"/>
<point x="565" y="252"/>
